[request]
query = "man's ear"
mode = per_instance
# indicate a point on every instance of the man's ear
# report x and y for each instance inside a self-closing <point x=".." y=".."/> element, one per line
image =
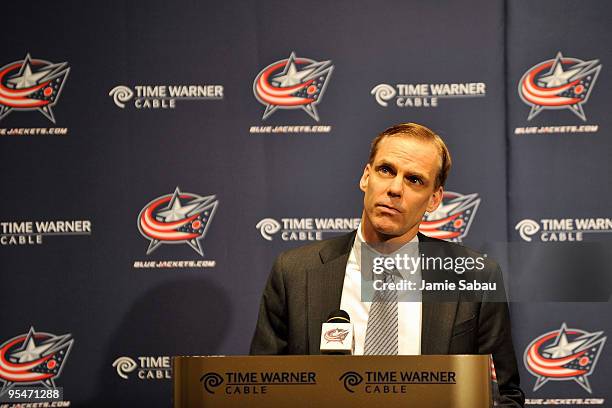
<point x="363" y="182"/>
<point x="435" y="199"/>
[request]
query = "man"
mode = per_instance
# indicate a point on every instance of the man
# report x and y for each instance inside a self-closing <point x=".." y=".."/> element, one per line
<point x="403" y="179"/>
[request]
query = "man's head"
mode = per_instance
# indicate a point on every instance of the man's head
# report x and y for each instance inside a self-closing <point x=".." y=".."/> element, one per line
<point x="404" y="178"/>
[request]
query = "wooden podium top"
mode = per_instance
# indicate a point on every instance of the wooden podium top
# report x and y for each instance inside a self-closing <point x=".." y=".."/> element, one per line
<point x="455" y="381"/>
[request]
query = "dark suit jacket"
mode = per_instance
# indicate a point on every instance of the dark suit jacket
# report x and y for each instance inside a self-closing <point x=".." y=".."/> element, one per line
<point x="305" y="285"/>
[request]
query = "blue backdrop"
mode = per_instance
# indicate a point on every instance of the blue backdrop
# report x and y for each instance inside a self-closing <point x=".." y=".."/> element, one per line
<point x="152" y="168"/>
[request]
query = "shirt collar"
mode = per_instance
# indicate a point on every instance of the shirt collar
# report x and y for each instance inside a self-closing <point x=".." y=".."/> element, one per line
<point x="408" y="248"/>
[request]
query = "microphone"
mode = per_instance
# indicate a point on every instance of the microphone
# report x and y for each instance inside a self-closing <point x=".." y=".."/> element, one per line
<point x="337" y="336"/>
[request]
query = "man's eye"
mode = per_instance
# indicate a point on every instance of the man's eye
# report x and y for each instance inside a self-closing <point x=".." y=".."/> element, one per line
<point x="384" y="170"/>
<point x="415" y="180"/>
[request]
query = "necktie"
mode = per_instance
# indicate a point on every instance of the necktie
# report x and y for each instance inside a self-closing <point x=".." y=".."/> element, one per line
<point x="382" y="329"/>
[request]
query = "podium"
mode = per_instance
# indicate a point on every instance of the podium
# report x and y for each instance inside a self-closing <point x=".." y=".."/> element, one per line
<point x="449" y="381"/>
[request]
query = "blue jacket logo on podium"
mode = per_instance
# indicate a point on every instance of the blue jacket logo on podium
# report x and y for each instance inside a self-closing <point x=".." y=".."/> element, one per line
<point x="31" y="84"/>
<point x="453" y="218"/>
<point x="564" y="355"/>
<point x="177" y="218"/>
<point x="292" y="83"/>
<point x="33" y="358"/>
<point x="559" y="83"/>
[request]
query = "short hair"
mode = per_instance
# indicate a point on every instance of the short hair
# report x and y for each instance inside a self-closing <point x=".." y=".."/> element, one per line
<point x="419" y="132"/>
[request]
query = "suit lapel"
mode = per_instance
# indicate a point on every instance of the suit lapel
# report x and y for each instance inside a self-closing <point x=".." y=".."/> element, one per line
<point x="324" y="285"/>
<point x="437" y="317"/>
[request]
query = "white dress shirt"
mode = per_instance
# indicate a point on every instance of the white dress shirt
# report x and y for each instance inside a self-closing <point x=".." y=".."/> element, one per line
<point x="409" y="313"/>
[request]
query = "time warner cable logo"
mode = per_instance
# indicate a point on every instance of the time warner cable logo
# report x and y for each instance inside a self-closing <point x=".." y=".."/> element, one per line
<point x="305" y="229"/>
<point x="451" y="222"/>
<point x="562" y="229"/>
<point x="425" y="95"/>
<point x="163" y="96"/>
<point x="146" y="367"/>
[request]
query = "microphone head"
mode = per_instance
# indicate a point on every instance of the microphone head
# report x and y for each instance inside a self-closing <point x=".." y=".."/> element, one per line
<point x="338" y="316"/>
<point x="337" y="335"/>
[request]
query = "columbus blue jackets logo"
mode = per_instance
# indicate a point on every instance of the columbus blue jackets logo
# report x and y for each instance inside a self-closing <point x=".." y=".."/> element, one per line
<point x="336" y="335"/>
<point x="564" y="355"/>
<point x="559" y="83"/>
<point x="452" y="219"/>
<point x="33" y="358"/>
<point x="31" y="84"/>
<point x="292" y="83"/>
<point x="178" y="218"/>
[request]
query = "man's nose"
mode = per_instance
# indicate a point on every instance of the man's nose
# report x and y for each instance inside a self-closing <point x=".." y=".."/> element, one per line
<point x="395" y="187"/>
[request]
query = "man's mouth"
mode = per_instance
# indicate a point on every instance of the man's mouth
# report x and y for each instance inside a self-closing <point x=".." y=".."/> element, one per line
<point x="388" y="207"/>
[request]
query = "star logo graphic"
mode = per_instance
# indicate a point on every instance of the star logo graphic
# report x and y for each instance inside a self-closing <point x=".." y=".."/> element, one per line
<point x="178" y="218"/>
<point x="452" y="219"/>
<point x="33" y="358"/>
<point x="31" y="84"/>
<point x="292" y="83"/>
<point x="564" y="355"/>
<point x="557" y="76"/>
<point x="31" y="351"/>
<point x="559" y="83"/>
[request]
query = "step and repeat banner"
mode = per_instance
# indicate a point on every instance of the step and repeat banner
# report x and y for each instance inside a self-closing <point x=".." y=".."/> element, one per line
<point x="157" y="156"/>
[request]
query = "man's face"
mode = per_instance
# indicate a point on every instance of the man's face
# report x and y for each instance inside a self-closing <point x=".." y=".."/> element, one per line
<point x="399" y="188"/>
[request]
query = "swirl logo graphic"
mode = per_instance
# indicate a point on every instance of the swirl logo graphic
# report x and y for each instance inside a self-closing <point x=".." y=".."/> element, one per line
<point x="210" y="381"/>
<point x="33" y="358"/>
<point x="382" y="93"/>
<point x="292" y="83"/>
<point x="350" y="379"/>
<point x="267" y="227"/>
<point x="452" y="219"/>
<point x="178" y="218"/>
<point x="121" y="94"/>
<point x="124" y="365"/>
<point x="564" y="355"/>
<point x="31" y="84"/>
<point x="336" y="335"/>
<point x="559" y="83"/>
<point x="526" y="228"/>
